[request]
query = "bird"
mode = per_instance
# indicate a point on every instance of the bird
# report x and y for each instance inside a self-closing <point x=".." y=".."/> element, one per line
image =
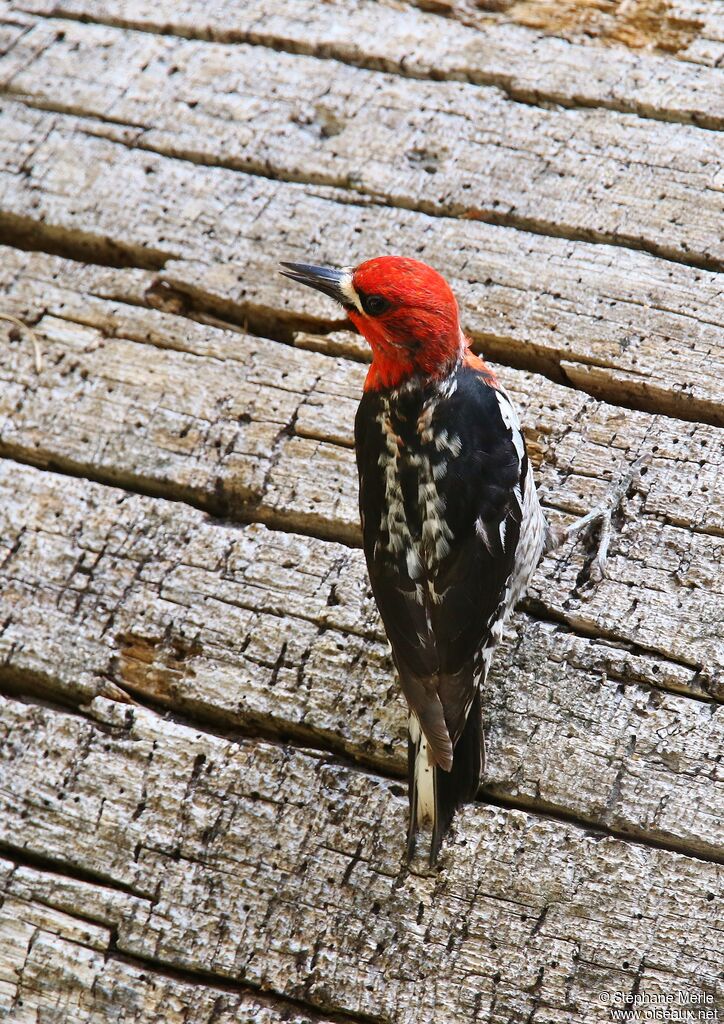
<point x="452" y="526"/>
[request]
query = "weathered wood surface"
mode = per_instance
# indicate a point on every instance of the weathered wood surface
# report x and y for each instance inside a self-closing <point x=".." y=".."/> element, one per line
<point x="59" y="948"/>
<point x="152" y="406"/>
<point x="119" y="369"/>
<point x="257" y="630"/>
<point x="201" y="740"/>
<point x="531" y="66"/>
<point x="615" y="321"/>
<point x="245" y="858"/>
<point x="449" y="148"/>
<point x="687" y="29"/>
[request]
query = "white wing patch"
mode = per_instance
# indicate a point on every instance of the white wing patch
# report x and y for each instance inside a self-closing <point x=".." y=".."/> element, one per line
<point x="518" y="496"/>
<point x="510" y="419"/>
<point x="502" y="527"/>
<point x="482" y="532"/>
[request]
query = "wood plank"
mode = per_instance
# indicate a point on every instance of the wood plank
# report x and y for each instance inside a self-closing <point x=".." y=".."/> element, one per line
<point x="57" y="948"/>
<point x="172" y="374"/>
<point x="445" y="148"/>
<point x="142" y="398"/>
<point x="529" y="65"/>
<point x="174" y="865"/>
<point x="155" y="408"/>
<point x="282" y="870"/>
<point x="527" y="299"/>
<point x="108" y="593"/>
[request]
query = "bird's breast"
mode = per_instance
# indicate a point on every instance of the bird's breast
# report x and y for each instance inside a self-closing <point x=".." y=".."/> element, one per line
<point x="414" y="463"/>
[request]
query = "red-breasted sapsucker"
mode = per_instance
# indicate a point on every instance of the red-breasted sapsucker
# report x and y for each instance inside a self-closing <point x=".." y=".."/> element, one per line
<point x="451" y="524"/>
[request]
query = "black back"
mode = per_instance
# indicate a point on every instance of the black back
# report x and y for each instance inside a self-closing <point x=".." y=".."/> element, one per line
<point x="438" y="617"/>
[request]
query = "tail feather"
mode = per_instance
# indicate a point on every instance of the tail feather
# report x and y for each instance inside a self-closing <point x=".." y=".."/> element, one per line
<point x="435" y="794"/>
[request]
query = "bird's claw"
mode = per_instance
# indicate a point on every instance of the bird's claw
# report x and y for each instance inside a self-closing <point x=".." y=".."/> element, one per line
<point x="604" y="515"/>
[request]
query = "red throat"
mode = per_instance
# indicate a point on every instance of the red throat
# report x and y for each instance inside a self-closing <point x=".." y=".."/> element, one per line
<point x="386" y="373"/>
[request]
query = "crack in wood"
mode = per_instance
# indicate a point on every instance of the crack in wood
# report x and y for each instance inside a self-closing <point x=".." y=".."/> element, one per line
<point x="330" y="751"/>
<point x="37" y="883"/>
<point x="31" y="235"/>
<point x="508" y="80"/>
<point x="278" y="1000"/>
<point x="511" y="330"/>
<point x="335" y="170"/>
<point x="367" y="921"/>
<point x="370" y="197"/>
<point x="24" y="855"/>
<point x="312" y="333"/>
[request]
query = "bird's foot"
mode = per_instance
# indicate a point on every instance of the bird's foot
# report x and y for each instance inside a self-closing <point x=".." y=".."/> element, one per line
<point x="602" y="514"/>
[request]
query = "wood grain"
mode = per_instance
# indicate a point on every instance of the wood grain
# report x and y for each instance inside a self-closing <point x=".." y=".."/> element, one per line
<point x="58" y="948"/>
<point x="241" y="845"/>
<point x="527" y="299"/>
<point x="194" y="385"/>
<point x="146" y="399"/>
<point x="445" y="148"/>
<point x="531" y="65"/>
<point x="107" y="593"/>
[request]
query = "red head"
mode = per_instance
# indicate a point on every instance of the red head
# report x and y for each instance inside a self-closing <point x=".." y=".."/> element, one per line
<point x="405" y="310"/>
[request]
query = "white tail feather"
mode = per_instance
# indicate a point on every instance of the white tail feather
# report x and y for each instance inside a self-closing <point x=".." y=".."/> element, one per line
<point x="424" y="775"/>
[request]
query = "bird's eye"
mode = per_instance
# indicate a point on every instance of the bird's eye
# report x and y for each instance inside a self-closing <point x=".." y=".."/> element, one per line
<point x="373" y="305"/>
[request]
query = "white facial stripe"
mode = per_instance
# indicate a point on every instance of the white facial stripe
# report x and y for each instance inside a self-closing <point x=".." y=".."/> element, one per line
<point x="348" y="289"/>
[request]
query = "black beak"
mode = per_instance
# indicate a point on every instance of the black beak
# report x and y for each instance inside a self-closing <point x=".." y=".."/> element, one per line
<point x="324" y="279"/>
